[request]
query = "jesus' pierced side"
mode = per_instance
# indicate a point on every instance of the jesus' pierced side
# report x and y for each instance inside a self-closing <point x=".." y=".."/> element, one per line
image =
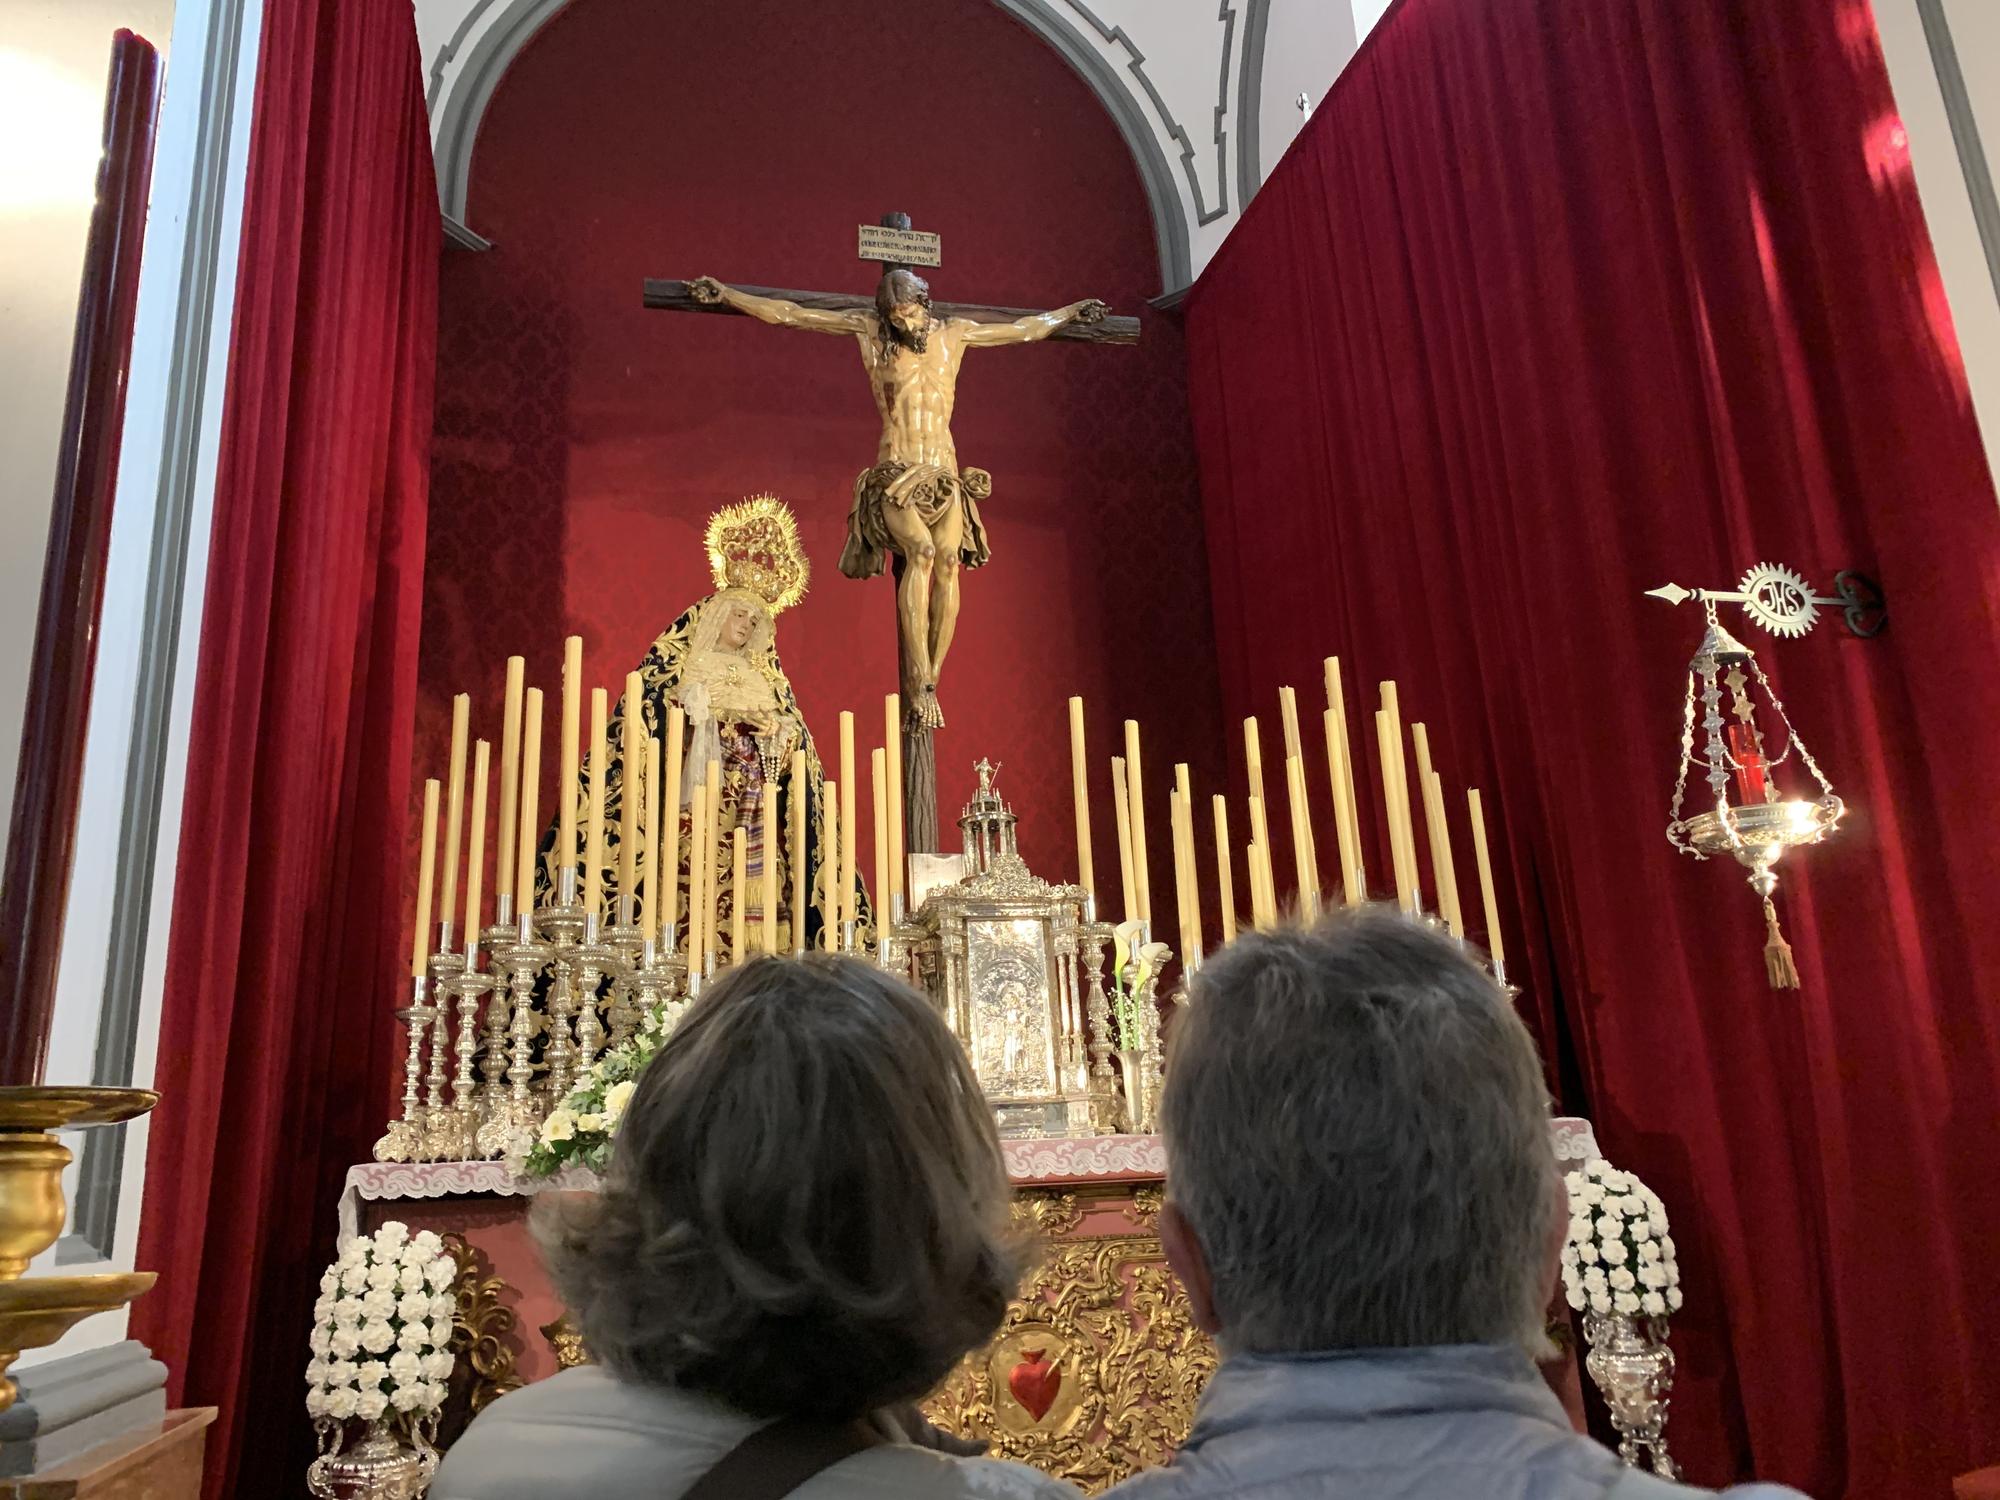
<point x="914" y="501"/>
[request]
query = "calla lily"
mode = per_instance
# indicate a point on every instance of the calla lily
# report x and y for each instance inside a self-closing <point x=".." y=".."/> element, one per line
<point x="1152" y="957"/>
<point x="1125" y="940"/>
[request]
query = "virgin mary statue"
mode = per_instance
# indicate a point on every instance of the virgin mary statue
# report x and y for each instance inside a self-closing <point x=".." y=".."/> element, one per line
<point x="718" y="662"/>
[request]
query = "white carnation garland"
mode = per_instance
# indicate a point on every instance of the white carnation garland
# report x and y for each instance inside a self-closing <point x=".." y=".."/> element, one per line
<point x="1619" y="1257"/>
<point x="382" y="1328"/>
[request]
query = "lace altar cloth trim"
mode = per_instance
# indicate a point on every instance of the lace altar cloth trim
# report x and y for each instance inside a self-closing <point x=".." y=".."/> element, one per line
<point x="1106" y="1157"/>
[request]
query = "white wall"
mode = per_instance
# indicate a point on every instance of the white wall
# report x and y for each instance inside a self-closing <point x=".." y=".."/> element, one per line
<point x="1970" y="31"/>
<point x="1305" y="48"/>
<point x="54" y="55"/>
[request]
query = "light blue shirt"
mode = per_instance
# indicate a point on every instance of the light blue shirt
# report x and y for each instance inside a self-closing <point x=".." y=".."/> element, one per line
<point x="1467" y="1422"/>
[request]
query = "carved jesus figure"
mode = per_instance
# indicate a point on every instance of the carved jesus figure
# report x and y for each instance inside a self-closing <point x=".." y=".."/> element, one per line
<point x="914" y="501"/>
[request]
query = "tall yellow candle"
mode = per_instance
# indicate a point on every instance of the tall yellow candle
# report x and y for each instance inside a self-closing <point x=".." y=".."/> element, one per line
<point x="1305" y="869"/>
<point x="1079" y="777"/>
<point x="829" y="869"/>
<point x="1288" y="714"/>
<point x="1121" y="807"/>
<point x="1399" y="824"/>
<point x="1264" y="894"/>
<point x="670" y="810"/>
<point x="1431" y="789"/>
<point x="1348" y="811"/>
<point x="632" y="723"/>
<point x="1400" y="792"/>
<point x="1352" y="887"/>
<point x="1494" y="948"/>
<point x="892" y="745"/>
<point x="1184" y="858"/>
<point x="1253" y="758"/>
<point x="712" y="861"/>
<point x="593" y="827"/>
<point x="454" y="821"/>
<point x="650" y="875"/>
<point x="767" y="884"/>
<point x="1454" y="916"/>
<point x="420" y="938"/>
<point x="850" y="792"/>
<point x="510" y="776"/>
<point x="531" y="801"/>
<point x="1225" y="878"/>
<point x="795" y="849"/>
<point x="739" y="891"/>
<point x="878" y="767"/>
<point x="1256" y="886"/>
<point x="475" y="862"/>
<point x="699" y="866"/>
<point x="1184" y="881"/>
<point x="572" y="727"/>
<point x="1135" y="785"/>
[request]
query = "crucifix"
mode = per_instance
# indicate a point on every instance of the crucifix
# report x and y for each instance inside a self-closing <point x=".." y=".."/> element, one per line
<point x="915" y="508"/>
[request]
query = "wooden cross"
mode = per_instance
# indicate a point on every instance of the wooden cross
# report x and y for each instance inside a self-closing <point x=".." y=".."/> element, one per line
<point x="674" y="296"/>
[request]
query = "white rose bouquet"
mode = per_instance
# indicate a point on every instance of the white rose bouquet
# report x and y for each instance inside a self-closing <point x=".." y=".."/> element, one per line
<point x="382" y="1329"/>
<point x="578" y="1130"/>
<point x="1619" y="1257"/>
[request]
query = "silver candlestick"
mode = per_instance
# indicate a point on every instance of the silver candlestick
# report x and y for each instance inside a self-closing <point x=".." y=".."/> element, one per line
<point x="445" y="965"/>
<point x="403" y="1141"/>
<point x="489" y="1132"/>
<point x="453" y="1136"/>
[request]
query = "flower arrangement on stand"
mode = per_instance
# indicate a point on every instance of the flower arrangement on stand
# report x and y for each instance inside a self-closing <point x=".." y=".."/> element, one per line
<point x="1135" y="1017"/>
<point x="579" y="1130"/>
<point x="1619" y="1271"/>
<point x="381" y="1351"/>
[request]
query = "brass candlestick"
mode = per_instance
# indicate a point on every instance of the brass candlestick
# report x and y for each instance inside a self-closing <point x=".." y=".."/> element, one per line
<point x="39" y="1310"/>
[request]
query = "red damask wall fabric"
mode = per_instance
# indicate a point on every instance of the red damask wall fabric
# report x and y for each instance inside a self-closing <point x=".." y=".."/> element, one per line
<point x="582" y="441"/>
<point x="276" y="1028"/>
<point x="1553" y="302"/>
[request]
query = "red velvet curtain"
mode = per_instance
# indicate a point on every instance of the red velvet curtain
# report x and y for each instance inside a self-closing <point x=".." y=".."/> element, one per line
<point x="275" y="1037"/>
<point x="1555" y="301"/>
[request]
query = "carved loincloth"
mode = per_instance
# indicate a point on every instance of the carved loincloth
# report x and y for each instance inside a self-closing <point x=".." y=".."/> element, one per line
<point x="932" y="491"/>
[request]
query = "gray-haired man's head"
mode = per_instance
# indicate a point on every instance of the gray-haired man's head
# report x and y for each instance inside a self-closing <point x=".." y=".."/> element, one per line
<point x="1357" y="1145"/>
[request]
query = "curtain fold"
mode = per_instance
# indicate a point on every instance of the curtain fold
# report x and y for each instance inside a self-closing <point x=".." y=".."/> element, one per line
<point x="275" y="1034"/>
<point x="1555" y="301"/>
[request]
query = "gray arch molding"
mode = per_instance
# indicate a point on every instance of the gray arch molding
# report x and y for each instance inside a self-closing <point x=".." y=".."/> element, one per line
<point x="514" y="22"/>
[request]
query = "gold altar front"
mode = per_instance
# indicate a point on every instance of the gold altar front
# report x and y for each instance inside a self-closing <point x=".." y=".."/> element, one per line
<point x="1096" y="1370"/>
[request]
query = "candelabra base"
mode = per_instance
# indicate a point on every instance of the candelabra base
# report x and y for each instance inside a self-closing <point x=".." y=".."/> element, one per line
<point x="40" y="1310"/>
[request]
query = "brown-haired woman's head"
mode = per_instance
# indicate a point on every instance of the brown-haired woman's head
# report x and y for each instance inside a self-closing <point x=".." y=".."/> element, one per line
<point x="806" y="1212"/>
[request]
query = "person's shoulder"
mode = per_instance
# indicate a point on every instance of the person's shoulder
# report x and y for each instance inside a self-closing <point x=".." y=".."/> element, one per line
<point x="1636" y="1485"/>
<point x="996" y="1479"/>
<point x="901" y="1469"/>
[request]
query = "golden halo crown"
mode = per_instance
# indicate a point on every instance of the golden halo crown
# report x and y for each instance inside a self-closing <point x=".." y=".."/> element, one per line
<point x="754" y="545"/>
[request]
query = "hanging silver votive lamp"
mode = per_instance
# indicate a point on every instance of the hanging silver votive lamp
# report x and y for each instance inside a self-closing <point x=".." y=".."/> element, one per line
<point x="1751" y="819"/>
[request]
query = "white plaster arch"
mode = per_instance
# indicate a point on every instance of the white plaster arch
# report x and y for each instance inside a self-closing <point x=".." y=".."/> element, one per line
<point x="1181" y="79"/>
